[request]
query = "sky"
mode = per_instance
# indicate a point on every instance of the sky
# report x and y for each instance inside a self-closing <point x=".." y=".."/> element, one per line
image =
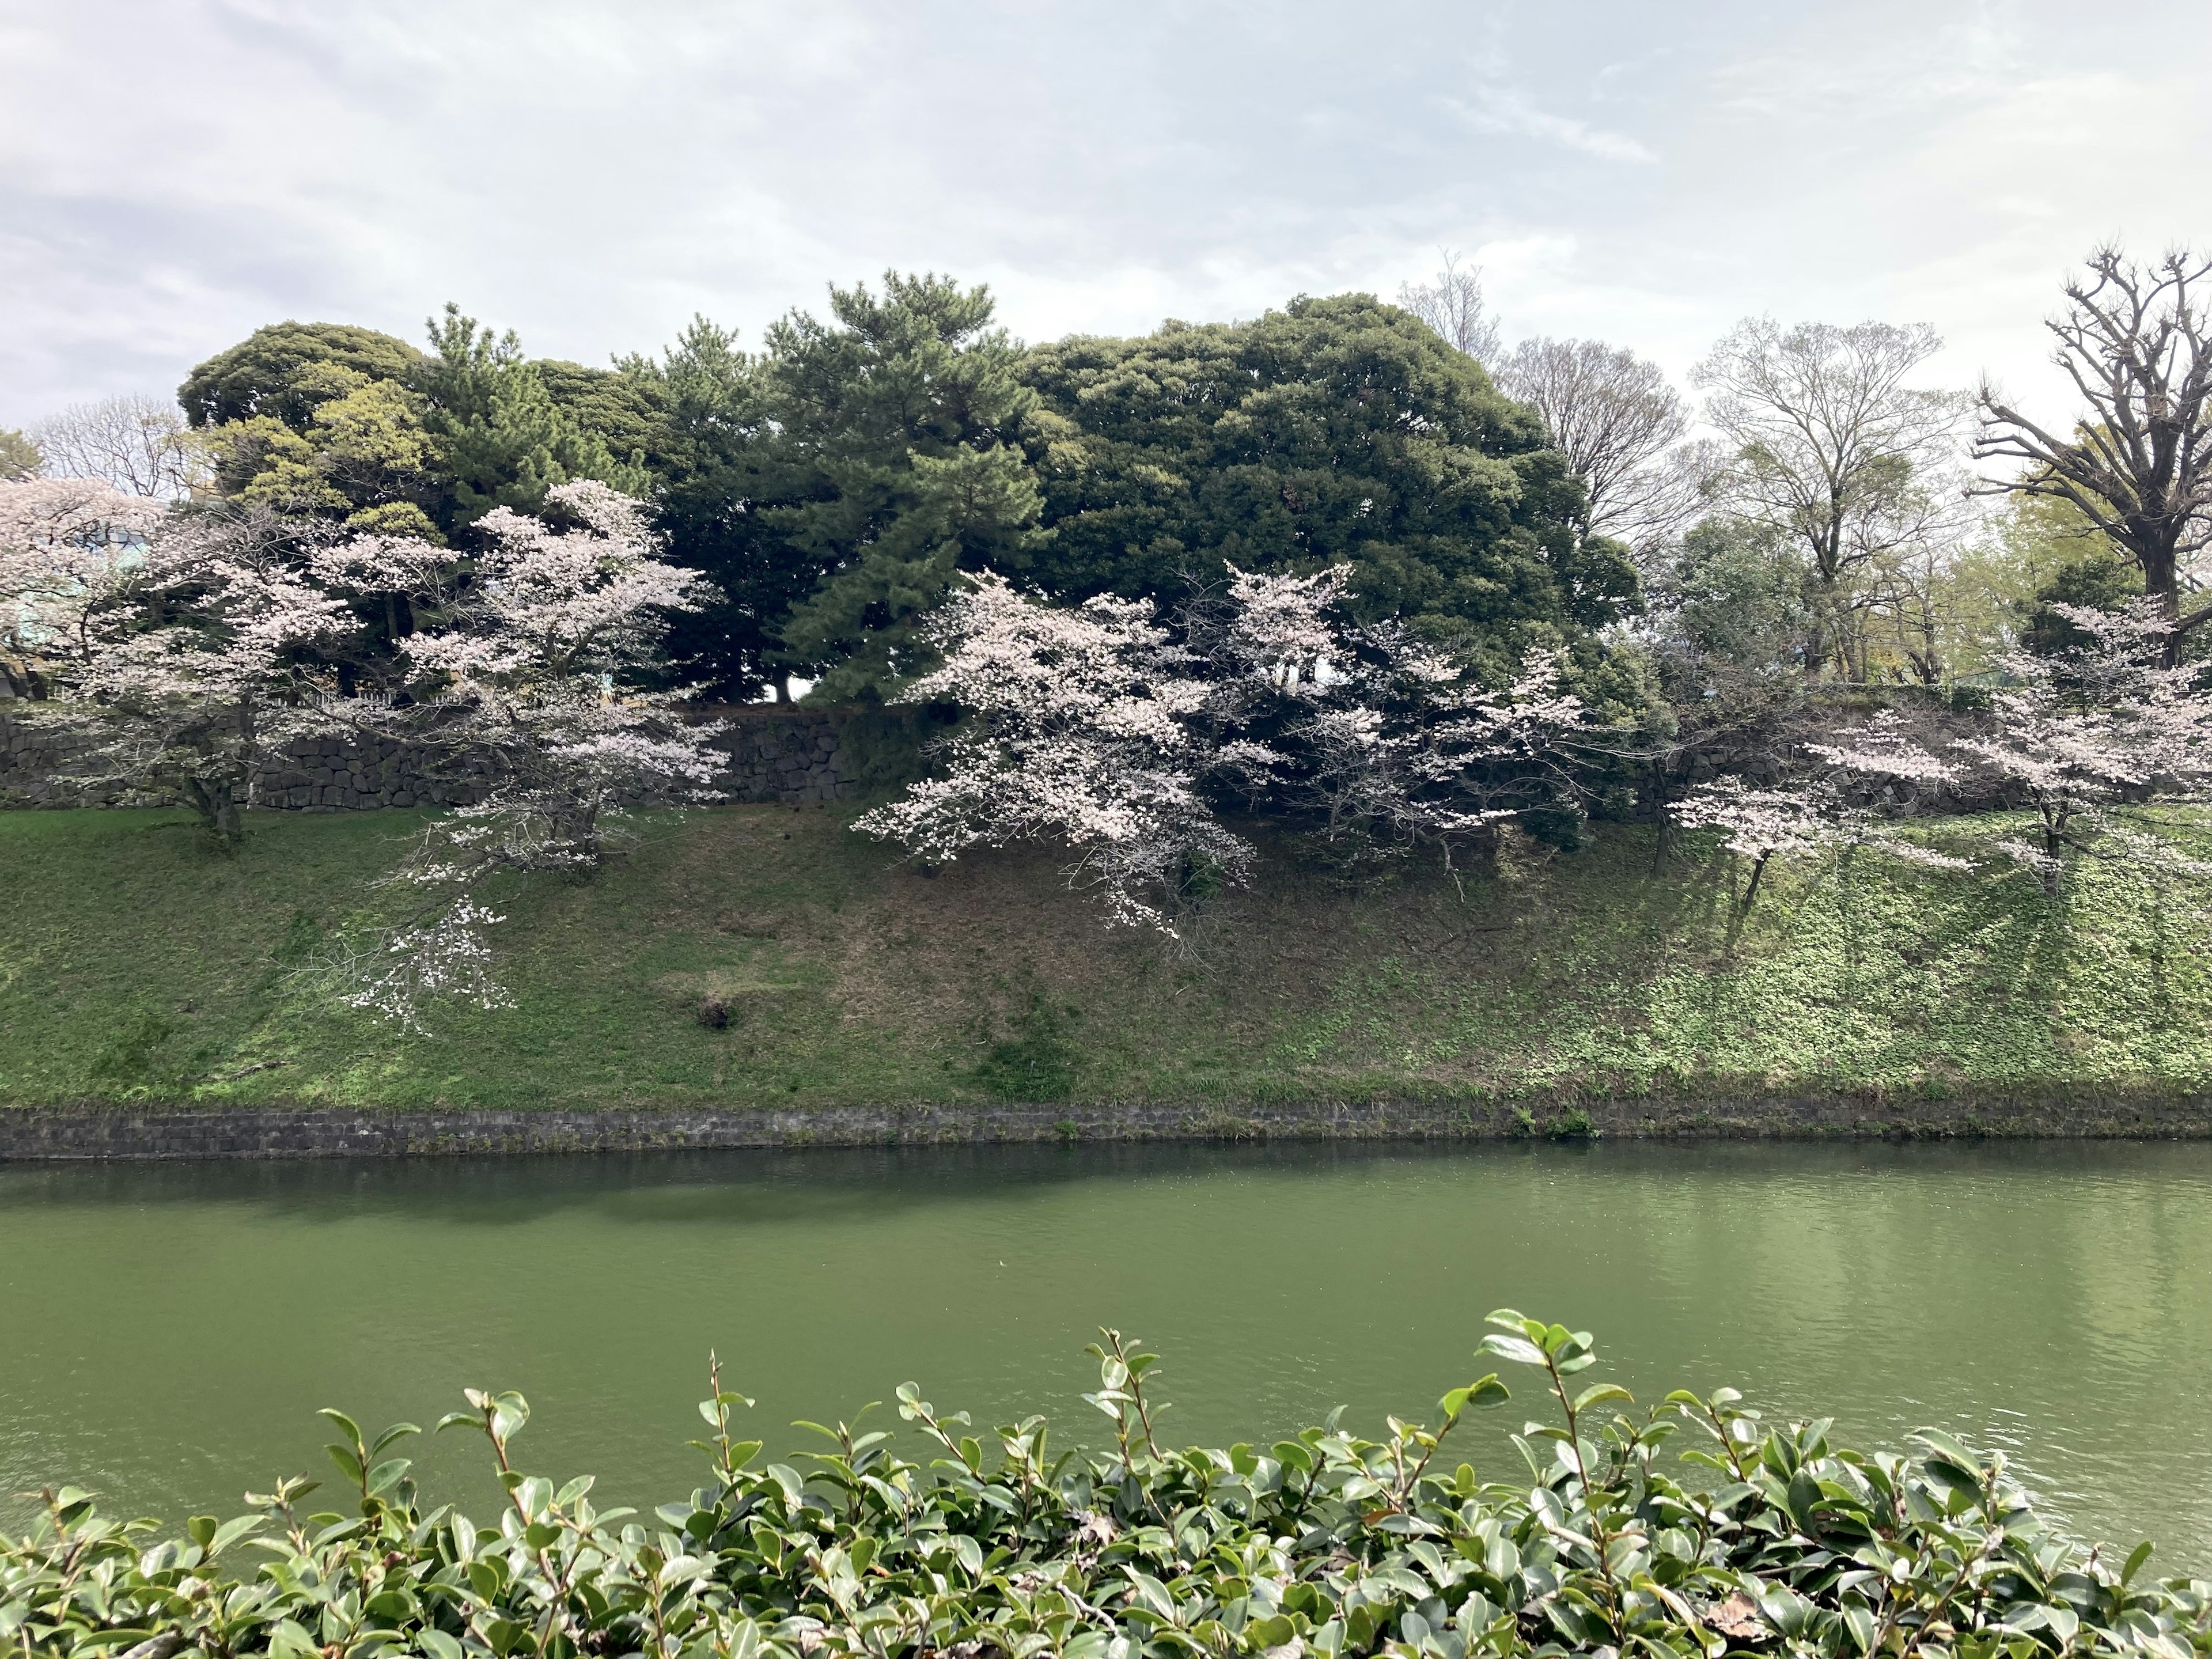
<point x="592" y="173"/>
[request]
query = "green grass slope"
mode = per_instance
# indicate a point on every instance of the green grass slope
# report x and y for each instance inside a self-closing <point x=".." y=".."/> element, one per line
<point x="140" y="964"/>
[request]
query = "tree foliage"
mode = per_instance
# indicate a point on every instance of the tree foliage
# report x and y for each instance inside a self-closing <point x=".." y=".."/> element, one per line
<point x="363" y="458"/>
<point x="356" y="428"/>
<point x="1775" y="1538"/>
<point x="274" y="371"/>
<point x="1336" y="431"/>
<point x="715" y="452"/>
<point x="20" y="457"/>
<point x="900" y="423"/>
<point x="505" y="438"/>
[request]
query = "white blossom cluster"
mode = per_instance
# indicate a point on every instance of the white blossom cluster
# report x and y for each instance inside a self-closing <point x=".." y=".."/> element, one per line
<point x="1083" y="730"/>
<point x="1799" y="821"/>
<point x="65" y="543"/>
<point x="180" y="647"/>
<point x="193" y="647"/>
<point x="2089" y="738"/>
<point x="1093" y="729"/>
<point x="405" y="970"/>
<point x="522" y="673"/>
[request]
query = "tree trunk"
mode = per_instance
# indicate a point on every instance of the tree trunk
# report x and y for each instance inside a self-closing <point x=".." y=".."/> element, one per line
<point x="2054" y="845"/>
<point x="2162" y="585"/>
<point x="1758" y="869"/>
<point x="216" y="803"/>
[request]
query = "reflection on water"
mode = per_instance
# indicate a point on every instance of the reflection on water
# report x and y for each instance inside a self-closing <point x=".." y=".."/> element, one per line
<point x="169" y="1330"/>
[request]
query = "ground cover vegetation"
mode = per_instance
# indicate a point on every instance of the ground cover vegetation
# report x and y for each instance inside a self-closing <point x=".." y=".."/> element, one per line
<point x="1761" y="1538"/>
<point x="1327" y="580"/>
<point x="760" y="956"/>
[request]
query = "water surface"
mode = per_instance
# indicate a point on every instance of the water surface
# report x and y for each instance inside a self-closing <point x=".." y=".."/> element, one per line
<point x="167" y="1331"/>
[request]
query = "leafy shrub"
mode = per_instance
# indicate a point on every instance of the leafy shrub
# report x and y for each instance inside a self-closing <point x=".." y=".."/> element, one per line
<point x="1326" y="1544"/>
<point x="1573" y="1125"/>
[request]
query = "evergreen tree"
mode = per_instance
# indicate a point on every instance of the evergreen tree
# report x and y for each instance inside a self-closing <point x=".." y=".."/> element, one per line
<point x="506" y="439"/>
<point x="713" y="452"/>
<point x="2101" y="580"/>
<point x="18" y="457"/>
<point x="898" y="462"/>
<point x="280" y="370"/>
<point x="1337" y="430"/>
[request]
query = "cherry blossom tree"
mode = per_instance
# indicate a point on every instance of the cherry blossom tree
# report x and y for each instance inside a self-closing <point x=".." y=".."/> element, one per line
<point x="527" y="677"/>
<point x="194" y="660"/>
<point x="2095" y="738"/>
<point x="2095" y="741"/>
<point x="1760" y="825"/>
<point x="1815" y="815"/>
<point x="1368" y="730"/>
<point x="65" y="545"/>
<point x="1096" y="729"/>
<point x="191" y="648"/>
<point x="1083" y="732"/>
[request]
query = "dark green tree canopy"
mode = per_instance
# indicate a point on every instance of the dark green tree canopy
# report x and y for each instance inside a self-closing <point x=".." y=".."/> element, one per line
<point x="2104" y="579"/>
<point x="1334" y="430"/>
<point x="613" y="404"/>
<point x="506" y="438"/>
<point x="270" y="372"/>
<point x="900" y="425"/>
<point x="19" y="456"/>
<point x="712" y="450"/>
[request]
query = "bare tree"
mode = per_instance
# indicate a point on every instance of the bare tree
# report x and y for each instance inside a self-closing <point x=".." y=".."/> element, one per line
<point x="1453" y="306"/>
<point x="139" y="445"/>
<point x="1830" y="447"/>
<point x="2133" y="340"/>
<point x="1614" y="417"/>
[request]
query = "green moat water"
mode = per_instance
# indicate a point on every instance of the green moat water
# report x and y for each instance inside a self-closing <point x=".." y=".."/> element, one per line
<point x="167" y="1331"/>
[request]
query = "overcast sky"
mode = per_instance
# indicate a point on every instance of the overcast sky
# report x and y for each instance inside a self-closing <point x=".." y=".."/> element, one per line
<point x="174" y="172"/>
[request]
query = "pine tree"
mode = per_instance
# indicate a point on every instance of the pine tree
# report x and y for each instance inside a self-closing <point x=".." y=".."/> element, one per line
<point x="507" y="441"/>
<point x="715" y="453"/>
<point x="898" y="451"/>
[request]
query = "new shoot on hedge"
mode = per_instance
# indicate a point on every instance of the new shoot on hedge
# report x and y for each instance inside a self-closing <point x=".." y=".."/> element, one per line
<point x="1774" y="1540"/>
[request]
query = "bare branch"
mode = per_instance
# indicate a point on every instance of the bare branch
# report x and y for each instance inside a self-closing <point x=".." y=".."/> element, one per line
<point x="2133" y="340"/>
<point x="1452" y="305"/>
<point x="137" y="446"/>
<point x="1614" y="417"/>
<point x="1832" y="449"/>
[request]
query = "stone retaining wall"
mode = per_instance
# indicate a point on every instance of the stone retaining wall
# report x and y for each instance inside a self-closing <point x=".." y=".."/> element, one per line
<point x="100" y="1132"/>
<point x="785" y="753"/>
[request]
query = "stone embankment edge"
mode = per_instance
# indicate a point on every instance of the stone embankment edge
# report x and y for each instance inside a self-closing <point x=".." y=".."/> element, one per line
<point x="141" y="1134"/>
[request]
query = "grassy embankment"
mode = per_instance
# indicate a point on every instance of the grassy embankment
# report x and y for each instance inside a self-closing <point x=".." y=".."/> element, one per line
<point x="138" y="964"/>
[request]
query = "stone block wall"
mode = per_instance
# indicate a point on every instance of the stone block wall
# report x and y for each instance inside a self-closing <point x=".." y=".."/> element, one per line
<point x="782" y="753"/>
<point x="785" y="753"/>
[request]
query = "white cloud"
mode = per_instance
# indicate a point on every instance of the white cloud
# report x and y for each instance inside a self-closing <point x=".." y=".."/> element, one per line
<point x="1507" y="110"/>
<point x="592" y="173"/>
